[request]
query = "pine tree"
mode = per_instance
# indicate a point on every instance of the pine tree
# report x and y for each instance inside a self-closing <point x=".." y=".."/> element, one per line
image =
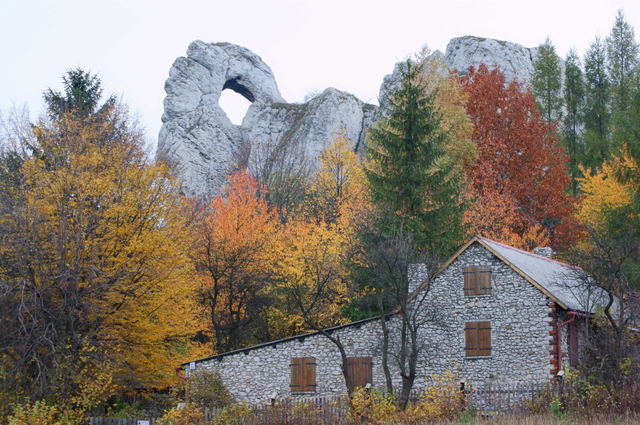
<point x="573" y="122"/>
<point x="597" y="117"/>
<point x="416" y="191"/>
<point x="546" y="82"/>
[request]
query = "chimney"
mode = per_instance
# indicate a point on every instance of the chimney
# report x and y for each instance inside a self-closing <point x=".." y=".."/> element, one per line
<point x="417" y="275"/>
<point x="544" y="252"/>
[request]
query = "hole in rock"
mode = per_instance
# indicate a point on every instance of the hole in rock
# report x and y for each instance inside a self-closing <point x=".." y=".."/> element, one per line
<point x="234" y="105"/>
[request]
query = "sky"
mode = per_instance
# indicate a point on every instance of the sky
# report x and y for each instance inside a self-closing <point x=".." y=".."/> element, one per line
<point x="309" y="44"/>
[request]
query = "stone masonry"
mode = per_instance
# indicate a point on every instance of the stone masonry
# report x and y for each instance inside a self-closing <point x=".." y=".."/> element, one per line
<point x="523" y="333"/>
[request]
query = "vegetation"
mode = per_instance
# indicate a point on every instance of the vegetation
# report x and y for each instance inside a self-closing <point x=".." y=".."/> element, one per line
<point x="109" y="277"/>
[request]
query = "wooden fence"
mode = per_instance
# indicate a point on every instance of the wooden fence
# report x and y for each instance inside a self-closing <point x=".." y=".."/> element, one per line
<point x="486" y="399"/>
<point x="121" y="421"/>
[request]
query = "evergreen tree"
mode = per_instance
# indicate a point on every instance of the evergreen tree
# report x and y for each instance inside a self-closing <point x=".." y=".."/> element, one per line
<point x="622" y="62"/>
<point x="546" y="82"/>
<point x="573" y="122"/>
<point x="415" y="190"/>
<point x="82" y="93"/>
<point x="597" y="117"/>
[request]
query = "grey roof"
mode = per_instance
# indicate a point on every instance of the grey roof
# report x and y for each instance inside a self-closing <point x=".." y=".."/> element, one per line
<point x="568" y="285"/>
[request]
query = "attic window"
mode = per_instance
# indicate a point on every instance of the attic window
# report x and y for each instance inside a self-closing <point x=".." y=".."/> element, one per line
<point x="477" y="336"/>
<point x="477" y="280"/>
<point x="303" y="374"/>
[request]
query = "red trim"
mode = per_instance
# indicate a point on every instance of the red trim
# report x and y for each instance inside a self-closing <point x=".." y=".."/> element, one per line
<point x="573" y="315"/>
<point x="178" y="369"/>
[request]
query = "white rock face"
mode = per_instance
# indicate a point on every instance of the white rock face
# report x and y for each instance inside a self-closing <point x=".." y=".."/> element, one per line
<point x="515" y="60"/>
<point x="203" y="146"/>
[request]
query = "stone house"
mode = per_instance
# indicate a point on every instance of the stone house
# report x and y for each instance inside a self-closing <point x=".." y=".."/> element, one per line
<point x="493" y="313"/>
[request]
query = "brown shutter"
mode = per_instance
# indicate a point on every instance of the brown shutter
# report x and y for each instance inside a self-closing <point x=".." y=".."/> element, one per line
<point x="469" y="280"/>
<point x="484" y="339"/>
<point x="477" y="280"/>
<point x="309" y="374"/>
<point x="483" y="280"/>
<point x="303" y="374"/>
<point x="297" y="377"/>
<point x="471" y="338"/>
<point x="360" y="370"/>
<point x="477" y="338"/>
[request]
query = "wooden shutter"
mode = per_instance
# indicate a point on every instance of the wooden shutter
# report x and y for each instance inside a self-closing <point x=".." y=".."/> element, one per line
<point x="360" y="370"/>
<point x="477" y="280"/>
<point x="477" y="338"/>
<point x="303" y="374"/>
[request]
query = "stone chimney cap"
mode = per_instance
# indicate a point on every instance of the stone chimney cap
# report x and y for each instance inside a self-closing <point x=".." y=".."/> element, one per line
<point x="544" y="252"/>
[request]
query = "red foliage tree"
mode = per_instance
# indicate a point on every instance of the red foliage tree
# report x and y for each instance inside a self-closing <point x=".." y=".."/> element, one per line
<point x="520" y="177"/>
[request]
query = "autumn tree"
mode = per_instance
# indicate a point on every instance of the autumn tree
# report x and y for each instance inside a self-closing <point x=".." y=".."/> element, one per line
<point x="312" y="279"/>
<point x="233" y="255"/>
<point x="520" y="171"/>
<point x="409" y="181"/>
<point x="546" y="83"/>
<point x="92" y="269"/>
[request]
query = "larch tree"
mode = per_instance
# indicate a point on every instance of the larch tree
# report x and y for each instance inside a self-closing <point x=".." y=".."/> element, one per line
<point x="574" y="120"/>
<point x="622" y="63"/>
<point x="546" y="83"/>
<point x="597" y="116"/>
<point x="409" y="180"/>
<point x="520" y="170"/>
<point x="93" y="273"/>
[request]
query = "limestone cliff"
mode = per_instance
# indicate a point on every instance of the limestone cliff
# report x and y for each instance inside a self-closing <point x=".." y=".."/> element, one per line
<point x="200" y="142"/>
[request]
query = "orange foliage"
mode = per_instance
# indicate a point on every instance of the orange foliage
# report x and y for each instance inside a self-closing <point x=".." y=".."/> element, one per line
<point x="520" y="178"/>
<point x="232" y="251"/>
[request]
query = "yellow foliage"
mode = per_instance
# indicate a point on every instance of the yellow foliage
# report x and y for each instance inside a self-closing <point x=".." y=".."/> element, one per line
<point x="189" y="414"/>
<point x="40" y="413"/>
<point x="102" y="231"/>
<point x="450" y="105"/>
<point x="602" y="193"/>
<point x="371" y="407"/>
<point x="442" y="399"/>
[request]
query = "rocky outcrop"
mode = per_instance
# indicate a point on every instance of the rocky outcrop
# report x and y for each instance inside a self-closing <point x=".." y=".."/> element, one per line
<point x="204" y="146"/>
<point x="515" y="60"/>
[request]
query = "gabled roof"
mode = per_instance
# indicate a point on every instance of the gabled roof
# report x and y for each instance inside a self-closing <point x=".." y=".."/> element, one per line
<point x="566" y="285"/>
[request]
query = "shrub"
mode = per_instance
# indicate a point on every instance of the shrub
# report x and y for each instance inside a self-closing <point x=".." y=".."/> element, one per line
<point x="189" y="414"/>
<point x="442" y="399"/>
<point x="40" y="413"/>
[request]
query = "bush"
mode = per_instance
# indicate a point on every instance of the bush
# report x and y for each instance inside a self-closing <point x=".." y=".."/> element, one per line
<point x="205" y="389"/>
<point x="40" y="413"/>
<point x="189" y="414"/>
<point x="443" y="399"/>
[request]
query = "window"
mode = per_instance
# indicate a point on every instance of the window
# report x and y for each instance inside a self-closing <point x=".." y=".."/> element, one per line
<point x="360" y="370"/>
<point x="303" y="374"/>
<point x="477" y="280"/>
<point x="477" y="339"/>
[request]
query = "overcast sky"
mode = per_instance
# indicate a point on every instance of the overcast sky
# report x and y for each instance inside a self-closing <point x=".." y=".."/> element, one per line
<point x="309" y="44"/>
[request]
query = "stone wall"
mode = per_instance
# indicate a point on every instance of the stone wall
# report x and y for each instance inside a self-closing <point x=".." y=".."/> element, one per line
<point x="520" y="339"/>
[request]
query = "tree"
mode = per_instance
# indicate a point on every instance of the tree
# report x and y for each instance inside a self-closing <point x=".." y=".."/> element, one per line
<point x="233" y="255"/>
<point x="93" y="274"/>
<point x="573" y="122"/>
<point x="82" y="93"/>
<point x="546" y="84"/>
<point x="520" y="168"/>
<point x="389" y="271"/>
<point x="597" y="116"/>
<point x="408" y="178"/>
<point x="312" y="279"/>
<point x="622" y="62"/>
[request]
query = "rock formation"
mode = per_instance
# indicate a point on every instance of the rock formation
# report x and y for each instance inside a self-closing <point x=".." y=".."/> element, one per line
<point x="203" y="146"/>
